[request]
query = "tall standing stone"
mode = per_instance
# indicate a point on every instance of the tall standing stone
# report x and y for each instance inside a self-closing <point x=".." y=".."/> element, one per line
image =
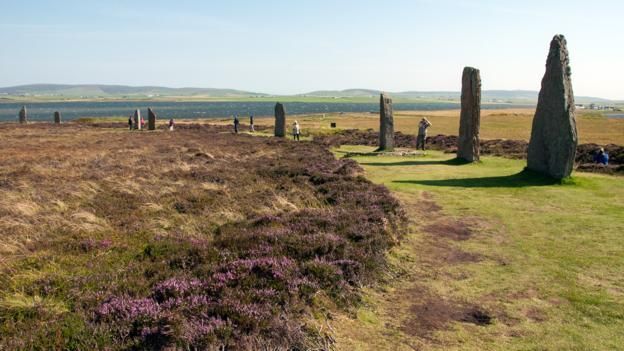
<point x="386" y="124"/>
<point x="23" y="115"/>
<point x="151" y="119"/>
<point x="57" y="117"/>
<point x="280" y="120"/>
<point x="137" y="119"/>
<point x="554" y="137"/>
<point x="470" y="121"/>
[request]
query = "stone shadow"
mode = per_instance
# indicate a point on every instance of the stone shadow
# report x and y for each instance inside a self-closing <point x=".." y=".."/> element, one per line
<point x="451" y="162"/>
<point x="525" y="178"/>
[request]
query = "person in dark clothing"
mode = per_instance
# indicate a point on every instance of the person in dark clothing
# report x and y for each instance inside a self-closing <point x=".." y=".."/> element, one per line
<point x="130" y="122"/>
<point x="251" y="124"/>
<point x="601" y="157"/>
<point x="236" y="124"/>
<point x="422" y="133"/>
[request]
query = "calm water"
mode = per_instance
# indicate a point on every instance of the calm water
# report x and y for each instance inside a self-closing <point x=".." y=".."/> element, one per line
<point x="74" y="110"/>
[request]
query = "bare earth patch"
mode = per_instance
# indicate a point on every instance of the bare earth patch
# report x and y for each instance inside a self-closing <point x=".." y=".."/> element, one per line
<point x="436" y="314"/>
<point x="451" y="229"/>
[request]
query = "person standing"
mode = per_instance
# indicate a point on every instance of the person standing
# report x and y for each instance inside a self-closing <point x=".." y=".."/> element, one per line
<point x="236" y="124"/>
<point x="296" y="131"/>
<point x="130" y="122"/>
<point x="422" y="133"/>
<point x="171" y="124"/>
<point x="251" y="124"/>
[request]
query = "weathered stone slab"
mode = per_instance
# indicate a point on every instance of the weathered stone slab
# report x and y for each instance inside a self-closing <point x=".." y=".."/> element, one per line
<point x="23" y="115"/>
<point x="57" y="117"/>
<point x="554" y="137"/>
<point x="386" y="124"/>
<point x="280" y="120"/>
<point x="470" y="121"/>
<point x="136" y="118"/>
<point x="151" y="119"/>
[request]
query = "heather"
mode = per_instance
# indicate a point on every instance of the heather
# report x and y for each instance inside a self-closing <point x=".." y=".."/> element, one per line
<point x="188" y="240"/>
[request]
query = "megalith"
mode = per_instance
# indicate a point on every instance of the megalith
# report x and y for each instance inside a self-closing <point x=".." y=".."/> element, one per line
<point x="23" y="115"/>
<point x="386" y="124"/>
<point x="57" y="117"/>
<point x="137" y="119"/>
<point x="470" y="119"/>
<point x="151" y="119"/>
<point x="554" y="136"/>
<point x="280" y="120"/>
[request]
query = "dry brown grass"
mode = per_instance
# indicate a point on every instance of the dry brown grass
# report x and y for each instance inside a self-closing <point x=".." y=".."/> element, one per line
<point x="495" y="124"/>
<point x="53" y="178"/>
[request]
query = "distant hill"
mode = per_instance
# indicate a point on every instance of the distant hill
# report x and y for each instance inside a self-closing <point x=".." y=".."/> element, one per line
<point x="122" y="91"/>
<point x="95" y="90"/>
<point x="488" y="95"/>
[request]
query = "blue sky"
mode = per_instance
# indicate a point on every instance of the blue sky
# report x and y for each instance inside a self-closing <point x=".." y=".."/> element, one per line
<point x="286" y="47"/>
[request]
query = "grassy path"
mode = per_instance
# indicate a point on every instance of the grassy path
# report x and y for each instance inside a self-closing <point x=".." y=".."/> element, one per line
<point x="495" y="260"/>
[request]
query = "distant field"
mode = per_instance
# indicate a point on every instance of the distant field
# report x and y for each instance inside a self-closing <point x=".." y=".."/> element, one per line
<point x="204" y="98"/>
<point x="495" y="124"/>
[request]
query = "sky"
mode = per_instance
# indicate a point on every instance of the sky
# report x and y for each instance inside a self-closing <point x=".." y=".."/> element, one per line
<point x="292" y="47"/>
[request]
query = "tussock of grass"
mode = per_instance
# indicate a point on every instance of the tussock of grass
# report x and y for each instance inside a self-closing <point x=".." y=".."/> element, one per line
<point x="20" y="305"/>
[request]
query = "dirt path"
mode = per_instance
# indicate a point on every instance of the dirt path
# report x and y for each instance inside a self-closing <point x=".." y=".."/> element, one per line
<point x="416" y="301"/>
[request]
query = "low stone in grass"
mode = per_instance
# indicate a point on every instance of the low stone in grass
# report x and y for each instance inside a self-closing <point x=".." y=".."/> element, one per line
<point x="386" y="124"/>
<point x="23" y="115"/>
<point x="151" y="119"/>
<point x="280" y="120"/>
<point x="137" y="119"/>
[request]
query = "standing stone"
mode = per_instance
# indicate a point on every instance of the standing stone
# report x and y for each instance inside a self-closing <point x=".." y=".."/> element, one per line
<point x="386" y="124"/>
<point x="23" y="115"/>
<point x="151" y="119"/>
<point x="137" y="119"/>
<point x="470" y="120"/>
<point x="280" y="120"/>
<point x="57" y="117"/>
<point x="554" y="137"/>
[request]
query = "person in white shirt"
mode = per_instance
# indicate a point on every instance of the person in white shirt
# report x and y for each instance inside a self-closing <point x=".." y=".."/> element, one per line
<point x="296" y="131"/>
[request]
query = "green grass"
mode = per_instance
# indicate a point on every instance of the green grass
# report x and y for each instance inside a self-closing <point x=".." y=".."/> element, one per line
<point x="550" y="248"/>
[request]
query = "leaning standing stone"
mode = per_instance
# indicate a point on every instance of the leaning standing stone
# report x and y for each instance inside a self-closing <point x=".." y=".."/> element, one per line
<point x="470" y="120"/>
<point x="280" y="120"/>
<point x="151" y="119"/>
<point x="137" y="119"/>
<point x="23" y="115"/>
<point x="386" y="124"/>
<point x="57" y="117"/>
<point x="554" y="137"/>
